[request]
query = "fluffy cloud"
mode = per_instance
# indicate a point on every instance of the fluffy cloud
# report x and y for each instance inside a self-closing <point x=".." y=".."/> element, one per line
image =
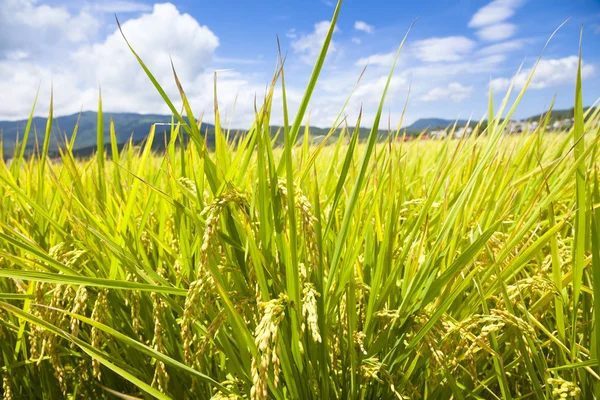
<point x="550" y="72"/>
<point x="363" y="27"/>
<point x="291" y="34"/>
<point x="39" y="28"/>
<point x="120" y="6"/>
<point x="356" y="40"/>
<point x="454" y="91"/>
<point x="309" y="45"/>
<point x="495" y="12"/>
<point x="157" y="36"/>
<point x="497" y="32"/>
<point x="504" y="47"/>
<point x="380" y="59"/>
<point x="19" y="82"/>
<point x="334" y="89"/>
<point x="451" y="48"/>
<point x="163" y="34"/>
<point x="490" y="20"/>
<point x="434" y="66"/>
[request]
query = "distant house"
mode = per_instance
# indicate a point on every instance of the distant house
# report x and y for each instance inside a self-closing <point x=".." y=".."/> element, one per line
<point x="463" y="132"/>
<point x="438" y="134"/>
<point x="516" y="126"/>
<point x="521" y="126"/>
<point x="562" y="125"/>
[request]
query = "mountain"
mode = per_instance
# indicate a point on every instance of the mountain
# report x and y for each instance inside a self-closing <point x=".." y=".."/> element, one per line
<point x="434" y="123"/>
<point x="127" y="125"/>
<point x="137" y="127"/>
<point x="557" y="115"/>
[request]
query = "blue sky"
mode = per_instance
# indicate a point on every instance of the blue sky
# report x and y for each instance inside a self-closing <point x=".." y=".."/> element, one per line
<point x="456" y="50"/>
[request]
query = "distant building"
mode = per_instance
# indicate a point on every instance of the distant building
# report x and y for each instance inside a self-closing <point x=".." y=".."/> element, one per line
<point x="521" y="126"/>
<point x="561" y="125"/>
<point x="463" y="132"/>
<point x="438" y="134"/>
<point x="516" y="126"/>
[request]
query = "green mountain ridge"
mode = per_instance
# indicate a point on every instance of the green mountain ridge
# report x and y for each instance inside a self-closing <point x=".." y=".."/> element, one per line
<point x="136" y="126"/>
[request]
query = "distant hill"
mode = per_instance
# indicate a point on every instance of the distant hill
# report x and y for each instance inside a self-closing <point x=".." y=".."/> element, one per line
<point x="439" y="123"/>
<point x="557" y="115"/>
<point x="137" y="126"/>
<point x="127" y="125"/>
<point x="434" y="123"/>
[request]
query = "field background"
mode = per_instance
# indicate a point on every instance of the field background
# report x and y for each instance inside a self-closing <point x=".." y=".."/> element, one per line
<point x="349" y="269"/>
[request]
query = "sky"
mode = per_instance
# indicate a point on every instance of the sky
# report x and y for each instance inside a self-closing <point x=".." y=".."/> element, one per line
<point x="455" y="52"/>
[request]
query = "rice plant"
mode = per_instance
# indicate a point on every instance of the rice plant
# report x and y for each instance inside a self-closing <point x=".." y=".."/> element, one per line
<point x="447" y="269"/>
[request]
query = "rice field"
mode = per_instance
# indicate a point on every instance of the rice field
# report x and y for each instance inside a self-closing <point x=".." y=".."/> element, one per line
<point x="430" y="269"/>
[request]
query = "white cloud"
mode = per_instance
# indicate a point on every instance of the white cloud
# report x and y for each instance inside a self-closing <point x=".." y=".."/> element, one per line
<point x="451" y="48"/>
<point x="490" y="20"/>
<point x="380" y="59"/>
<point x="497" y="32"/>
<point x="372" y="90"/>
<point x="234" y="60"/>
<point x="165" y="32"/>
<point x="443" y="71"/>
<point x="162" y="34"/>
<point x="38" y="28"/>
<point x="549" y="73"/>
<point x="434" y="66"/>
<point x="17" y="55"/>
<point x="333" y="90"/>
<point x="120" y="6"/>
<point x="502" y="48"/>
<point x="363" y="27"/>
<point x="19" y="81"/>
<point x="495" y="12"/>
<point x="454" y="91"/>
<point x="156" y="36"/>
<point x="356" y="40"/>
<point x="309" y="45"/>
<point x="291" y="34"/>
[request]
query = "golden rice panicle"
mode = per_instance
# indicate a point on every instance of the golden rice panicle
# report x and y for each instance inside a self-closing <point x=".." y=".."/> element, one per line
<point x="309" y="310"/>
<point x="99" y="314"/>
<point x="235" y="387"/>
<point x="133" y="301"/>
<point x="6" y="388"/>
<point x="194" y="295"/>
<point x="563" y="389"/>
<point x="79" y="307"/>
<point x="161" y="378"/>
<point x="50" y="345"/>
<point x="211" y="333"/>
<point x="203" y="280"/>
<point x="36" y="333"/>
<point x="266" y="337"/>
<point x="3" y="317"/>
<point x="308" y="219"/>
